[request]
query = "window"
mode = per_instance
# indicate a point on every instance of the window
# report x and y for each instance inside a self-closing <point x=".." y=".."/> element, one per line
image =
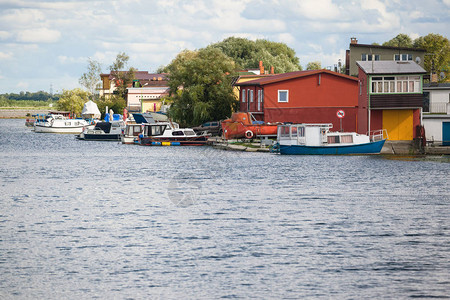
<point x="283" y="96"/>
<point x="177" y="133"/>
<point x="189" y="132"/>
<point x="250" y="98"/>
<point x="402" y="57"/>
<point x="259" y="99"/>
<point x="370" y="57"/>
<point x="395" y="84"/>
<point x="243" y="95"/>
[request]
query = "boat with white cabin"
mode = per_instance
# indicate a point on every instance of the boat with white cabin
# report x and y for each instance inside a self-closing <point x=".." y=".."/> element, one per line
<point x="169" y="134"/>
<point x="54" y="123"/>
<point x="317" y="139"/>
<point x="103" y="131"/>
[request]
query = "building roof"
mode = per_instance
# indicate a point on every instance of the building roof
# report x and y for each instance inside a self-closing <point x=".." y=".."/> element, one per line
<point x="292" y="75"/>
<point x="436" y="86"/>
<point x="386" y="47"/>
<point x="390" y="67"/>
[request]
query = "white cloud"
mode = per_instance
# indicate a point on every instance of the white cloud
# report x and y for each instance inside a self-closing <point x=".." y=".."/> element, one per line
<point x="22" y="85"/>
<point x="4" y="56"/>
<point x="316" y="9"/>
<point x="71" y="60"/>
<point x="4" y="35"/>
<point x="38" y="35"/>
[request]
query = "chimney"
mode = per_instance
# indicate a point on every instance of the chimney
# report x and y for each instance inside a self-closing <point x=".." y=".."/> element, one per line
<point x="272" y="70"/>
<point x="261" y="68"/>
<point x="434" y="78"/>
<point x="353" y="40"/>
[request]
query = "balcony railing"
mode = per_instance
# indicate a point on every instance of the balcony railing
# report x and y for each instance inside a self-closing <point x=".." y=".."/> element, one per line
<point x="439" y="108"/>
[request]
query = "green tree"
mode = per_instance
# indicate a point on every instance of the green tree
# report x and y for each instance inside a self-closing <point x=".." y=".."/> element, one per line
<point x="401" y="40"/>
<point x="437" y="57"/>
<point x="115" y="102"/>
<point x="247" y="54"/>
<point x="200" y="85"/>
<point x="73" y="101"/>
<point x="123" y="77"/>
<point x="314" y="65"/>
<point x="90" y="79"/>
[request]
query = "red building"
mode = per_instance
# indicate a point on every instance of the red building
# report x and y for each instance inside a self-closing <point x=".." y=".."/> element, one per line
<point x="302" y="97"/>
<point x="390" y="97"/>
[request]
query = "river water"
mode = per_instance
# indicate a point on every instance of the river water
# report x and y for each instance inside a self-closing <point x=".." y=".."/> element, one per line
<point x="102" y="220"/>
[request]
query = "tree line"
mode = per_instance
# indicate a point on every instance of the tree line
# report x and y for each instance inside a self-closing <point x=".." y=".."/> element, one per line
<point x="27" y="96"/>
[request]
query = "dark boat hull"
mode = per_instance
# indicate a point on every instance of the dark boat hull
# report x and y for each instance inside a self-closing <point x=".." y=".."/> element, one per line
<point x="100" y="137"/>
<point x="182" y="141"/>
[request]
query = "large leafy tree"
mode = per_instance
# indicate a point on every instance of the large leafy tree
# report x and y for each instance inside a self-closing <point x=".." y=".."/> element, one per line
<point x="247" y="54"/>
<point x="73" y="101"/>
<point x="123" y="77"/>
<point x="401" y="40"/>
<point x="90" y="79"/>
<point x="437" y="47"/>
<point x="200" y="85"/>
<point x="437" y="57"/>
<point x="314" y="65"/>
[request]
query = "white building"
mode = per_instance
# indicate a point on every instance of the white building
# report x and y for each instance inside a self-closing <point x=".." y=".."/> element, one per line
<point x="436" y="112"/>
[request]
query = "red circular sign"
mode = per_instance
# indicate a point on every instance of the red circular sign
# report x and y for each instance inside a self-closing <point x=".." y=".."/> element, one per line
<point x="340" y="114"/>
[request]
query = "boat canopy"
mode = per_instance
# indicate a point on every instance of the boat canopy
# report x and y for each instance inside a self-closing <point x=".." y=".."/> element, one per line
<point x="90" y="110"/>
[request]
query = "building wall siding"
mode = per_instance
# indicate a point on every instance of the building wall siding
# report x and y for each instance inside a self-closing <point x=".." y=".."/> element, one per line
<point x="393" y="100"/>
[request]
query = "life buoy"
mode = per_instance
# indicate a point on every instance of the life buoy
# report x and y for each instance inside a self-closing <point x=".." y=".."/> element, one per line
<point x="249" y="134"/>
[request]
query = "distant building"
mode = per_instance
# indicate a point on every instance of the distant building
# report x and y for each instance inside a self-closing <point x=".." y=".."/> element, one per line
<point x="302" y="97"/>
<point x="364" y="52"/>
<point x="143" y="94"/>
<point x="390" y="97"/>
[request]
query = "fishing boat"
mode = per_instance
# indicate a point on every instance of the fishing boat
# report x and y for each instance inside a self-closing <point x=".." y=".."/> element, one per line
<point x="244" y="125"/>
<point x="103" y="131"/>
<point x="317" y="139"/>
<point x="53" y="123"/>
<point x="169" y="134"/>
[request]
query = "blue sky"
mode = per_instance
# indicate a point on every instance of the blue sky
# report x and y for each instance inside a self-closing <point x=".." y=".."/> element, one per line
<point x="48" y="43"/>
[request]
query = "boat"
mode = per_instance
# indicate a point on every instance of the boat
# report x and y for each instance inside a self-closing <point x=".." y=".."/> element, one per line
<point x="131" y="133"/>
<point x="103" y="131"/>
<point x="317" y="139"/>
<point x="244" y="125"/>
<point x="169" y="134"/>
<point x="55" y="123"/>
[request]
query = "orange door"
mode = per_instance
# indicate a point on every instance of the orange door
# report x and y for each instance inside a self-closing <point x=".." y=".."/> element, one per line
<point x="399" y="124"/>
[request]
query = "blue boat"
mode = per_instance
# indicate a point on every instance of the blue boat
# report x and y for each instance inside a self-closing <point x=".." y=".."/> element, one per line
<point x="317" y="139"/>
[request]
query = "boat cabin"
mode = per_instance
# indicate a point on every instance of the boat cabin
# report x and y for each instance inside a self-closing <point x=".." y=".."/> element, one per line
<point x="320" y="135"/>
<point x="109" y="127"/>
<point x="166" y="130"/>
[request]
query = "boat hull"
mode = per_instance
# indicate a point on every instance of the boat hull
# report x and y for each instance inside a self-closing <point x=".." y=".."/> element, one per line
<point x="99" y="137"/>
<point x="53" y="129"/>
<point x="186" y="141"/>
<point x="367" y="148"/>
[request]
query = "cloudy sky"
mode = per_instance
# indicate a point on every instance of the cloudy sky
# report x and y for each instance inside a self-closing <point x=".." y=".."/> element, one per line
<point x="47" y="44"/>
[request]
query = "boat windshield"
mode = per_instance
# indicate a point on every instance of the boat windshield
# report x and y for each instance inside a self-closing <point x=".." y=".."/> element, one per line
<point x="189" y="132"/>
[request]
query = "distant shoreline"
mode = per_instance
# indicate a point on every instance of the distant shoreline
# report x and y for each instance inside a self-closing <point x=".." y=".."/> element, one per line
<point x="20" y="113"/>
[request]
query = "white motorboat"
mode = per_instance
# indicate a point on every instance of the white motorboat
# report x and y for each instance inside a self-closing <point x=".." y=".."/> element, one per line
<point x="60" y="124"/>
<point x="103" y="131"/>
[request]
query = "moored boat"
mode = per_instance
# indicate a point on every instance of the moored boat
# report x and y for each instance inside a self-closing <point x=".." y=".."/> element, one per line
<point x="103" y="131"/>
<point x="131" y="133"/>
<point x="168" y="134"/>
<point x="59" y="124"/>
<point x="317" y="139"/>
